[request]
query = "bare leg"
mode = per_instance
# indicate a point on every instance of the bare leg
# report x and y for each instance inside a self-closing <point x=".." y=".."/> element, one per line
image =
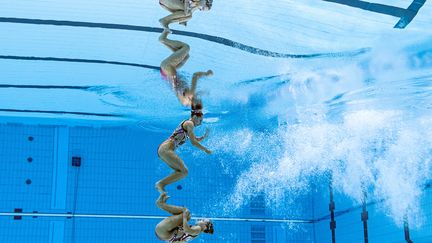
<point x="175" y="60"/>
<point x="183" y="62"/>
<point x="175" y="46"/>
<point x="172" y="5"/>
<point x="176" y="17"/>
<point x="173" y="161"/>
<point x="164" y="229"/>
<point x="161" y="203"/>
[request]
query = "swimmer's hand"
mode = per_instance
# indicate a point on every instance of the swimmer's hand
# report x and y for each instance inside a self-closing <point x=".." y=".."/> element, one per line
<point x="206" y="133"/>
<point x="199" y="139"/>
<point x="209" y="73"/>
<point x="187" y="6"/>
<point x="208" y="151"/>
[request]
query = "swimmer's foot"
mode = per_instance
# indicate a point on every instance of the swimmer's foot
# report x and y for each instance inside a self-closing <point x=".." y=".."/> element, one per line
<point x="160" y="188"/>
<point x="162" y="198"/>
<point x="165" y="197"/>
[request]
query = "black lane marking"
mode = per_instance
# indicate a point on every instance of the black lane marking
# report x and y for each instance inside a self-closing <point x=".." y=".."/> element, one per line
<point x="411" y="12"/>
<point x="211" y="38"/>
<point x="30" y="86"/>
<point x="62" y="112"/>
<point x="405" y="15"/>
<point x="59" y="59"/>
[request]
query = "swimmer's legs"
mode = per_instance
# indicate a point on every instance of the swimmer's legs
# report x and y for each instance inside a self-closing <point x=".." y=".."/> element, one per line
<point x="174" y="210"/>
<point x="178" y="58"/>
<point x="164" y="229"/>
<point x="176" y="17"/>
<point x="173" y="45"/>
<point x="173" y="161"/>
<point x="172" y="5"/>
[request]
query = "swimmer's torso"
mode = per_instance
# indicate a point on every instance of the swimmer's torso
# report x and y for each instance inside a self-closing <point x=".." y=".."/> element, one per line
<point x="179" y="136"/>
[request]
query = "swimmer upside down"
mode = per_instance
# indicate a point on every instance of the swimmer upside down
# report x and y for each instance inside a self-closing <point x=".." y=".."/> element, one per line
<point x="181" y="10"/>
<point x="177" y="59"/>
<point x="176" y="227"/>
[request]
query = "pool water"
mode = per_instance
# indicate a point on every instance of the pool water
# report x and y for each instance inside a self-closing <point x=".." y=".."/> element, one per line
<point x="319" y="113"/>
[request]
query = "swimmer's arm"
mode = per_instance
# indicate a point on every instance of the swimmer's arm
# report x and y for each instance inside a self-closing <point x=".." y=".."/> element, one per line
<point x="197" y="76"/>
<point x="190" y="131"/>
<point x="199" y="139"/>
<point x="187" y="7"/>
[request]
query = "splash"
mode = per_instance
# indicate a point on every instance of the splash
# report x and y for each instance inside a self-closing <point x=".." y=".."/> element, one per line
<point x="370" y="149"/>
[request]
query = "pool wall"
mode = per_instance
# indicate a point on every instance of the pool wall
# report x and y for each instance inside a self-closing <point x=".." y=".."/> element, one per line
<point x="87" y="184"/>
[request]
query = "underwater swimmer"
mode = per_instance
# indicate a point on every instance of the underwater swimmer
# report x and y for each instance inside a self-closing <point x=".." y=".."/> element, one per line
<point x="169" y="66"/>
<point x="176" y="228"/>
<point x="166" y="150"/>
<point x="181" y="10"/>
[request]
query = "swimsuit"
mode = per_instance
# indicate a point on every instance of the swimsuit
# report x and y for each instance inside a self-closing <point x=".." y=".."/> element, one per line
<point x="163" y="74"/>
<point x="179" y="235"/>
<point x="178" y="85"/>
<point x="179" y="136"/>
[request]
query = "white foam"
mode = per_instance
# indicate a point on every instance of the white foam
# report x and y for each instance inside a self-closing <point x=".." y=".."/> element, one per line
<point x="372" y="149"/>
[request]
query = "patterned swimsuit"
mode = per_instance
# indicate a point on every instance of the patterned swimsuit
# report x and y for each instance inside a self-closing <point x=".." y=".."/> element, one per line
<point x="179" y="135"/>
<point x="179" y="86"/>
<point x="180" y="235"/>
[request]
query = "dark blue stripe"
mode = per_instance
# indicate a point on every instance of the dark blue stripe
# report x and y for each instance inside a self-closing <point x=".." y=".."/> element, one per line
<point x="410" y="13"/>
<point x="405" y="15"/>
<point x="373" y="7"/>
<point x="266" y="53"/>
<point x="211" y="38"/>
<point x="27" y="86"/>
<point x="58" y="59"/>
<point x="261" y="79"/>
<point x="62" y="112"/>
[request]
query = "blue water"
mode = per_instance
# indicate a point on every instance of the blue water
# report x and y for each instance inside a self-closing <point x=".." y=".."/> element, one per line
<point x="307" y="99"/>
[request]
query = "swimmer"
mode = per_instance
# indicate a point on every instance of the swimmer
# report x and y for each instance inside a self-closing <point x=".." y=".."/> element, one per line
<point x="169" y="66"/>
<point x="166" y="150"/>
<point x="181" y="10"/>
<point x="176" y="228"/>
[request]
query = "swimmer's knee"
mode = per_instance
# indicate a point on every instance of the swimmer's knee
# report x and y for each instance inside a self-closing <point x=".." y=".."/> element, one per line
<point x="158" y="202"/>
<point x="160" y="228"/>
<point x="187" y="47"/>
<point x="183" y="171"/>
